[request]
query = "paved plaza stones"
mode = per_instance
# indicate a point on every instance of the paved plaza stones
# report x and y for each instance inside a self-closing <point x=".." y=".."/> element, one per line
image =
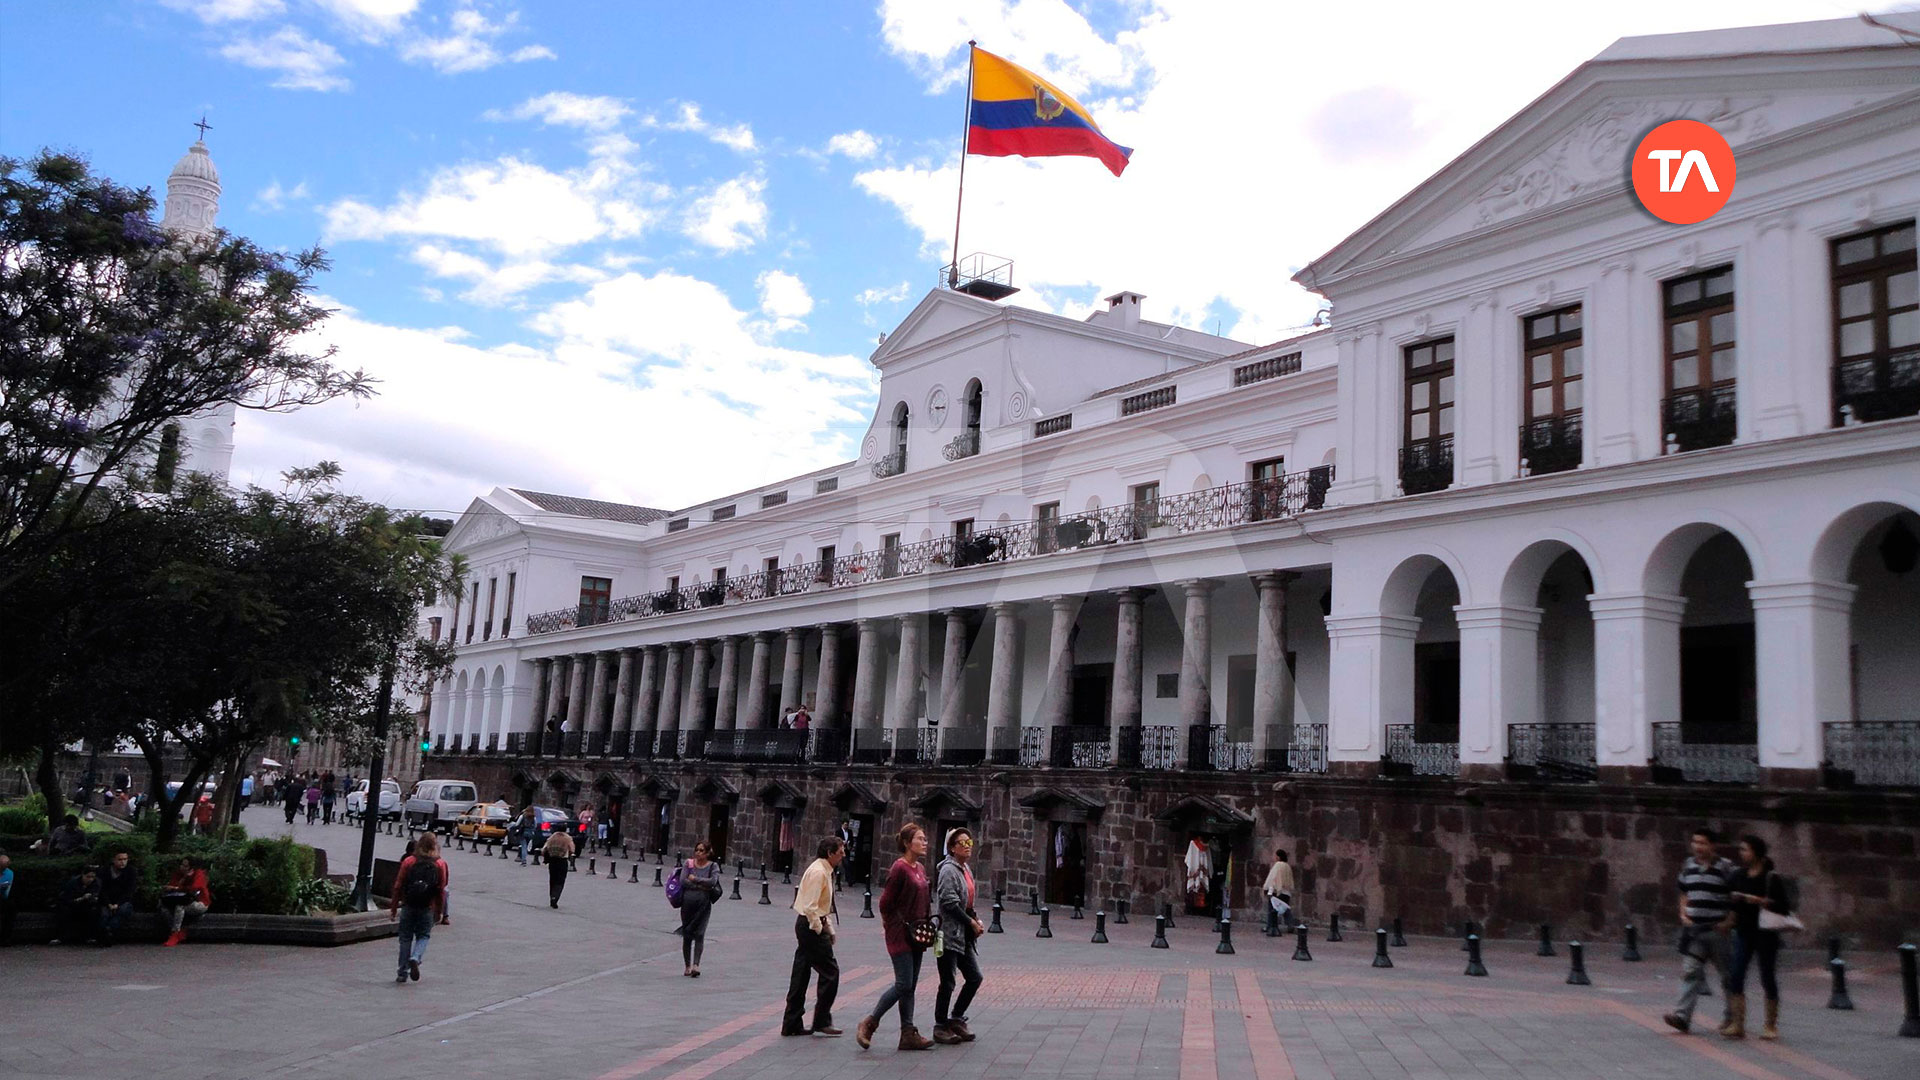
<point x="593" y="991"/>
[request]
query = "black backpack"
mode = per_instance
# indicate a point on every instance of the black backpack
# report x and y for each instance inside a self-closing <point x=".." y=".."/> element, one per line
<point x="422" y="886"/>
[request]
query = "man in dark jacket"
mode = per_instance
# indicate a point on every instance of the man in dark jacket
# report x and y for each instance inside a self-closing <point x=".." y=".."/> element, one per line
<point x="954" y="895"/>
<point x="79" y="908"/>
<point x="117" y="885"/>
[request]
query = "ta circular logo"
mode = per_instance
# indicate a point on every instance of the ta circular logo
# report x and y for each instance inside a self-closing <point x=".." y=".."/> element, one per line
<point x="1683" y="172"/>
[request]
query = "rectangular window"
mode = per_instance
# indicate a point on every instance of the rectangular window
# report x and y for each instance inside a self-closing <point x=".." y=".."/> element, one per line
<point x="890" y="555"/>
<point x="1700" y="360"/>
<point x="673" y="583"/>
<point x="1876" y="325"/>
<point x="1270" y="469"/>
<point x="677" y="525"/>
<point x="493" y="591"/>
<point x="1554" y="383"/>
<point x="824" y="485"/>
<point x="1046" y="527"/>
<point x="773" y="498"/>
<point x="720" y="576"/>
<point x="724" y="513"/>
<point x="1426" y="449"/>
<point x="473" y="609"/>
<point x="963" y="528"/>
<point x="824" y="573"/>
<point x="1266" y="492"/>
<point x="1167" y="686"/>
<point x="596" y="596"/>
<point x="506" y="616"/>
<point x="1146" y="493"/>
<point x="433" y="628"/>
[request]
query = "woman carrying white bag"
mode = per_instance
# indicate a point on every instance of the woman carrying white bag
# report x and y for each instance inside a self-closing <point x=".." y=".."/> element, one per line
<point x="1762" y="910"/>
<point x="1279" y="889"/>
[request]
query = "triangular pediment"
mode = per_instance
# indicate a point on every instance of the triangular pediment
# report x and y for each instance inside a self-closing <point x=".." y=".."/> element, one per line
<point x="939" y="313"/>
<point x="480" y="523"/>
<point x="1571" y="146"/>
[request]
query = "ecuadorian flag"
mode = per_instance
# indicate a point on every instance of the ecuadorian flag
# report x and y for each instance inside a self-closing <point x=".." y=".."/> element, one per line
<point x="1018" y="113"/>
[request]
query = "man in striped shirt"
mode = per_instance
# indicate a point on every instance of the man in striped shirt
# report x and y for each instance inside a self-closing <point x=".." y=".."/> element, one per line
<point x="1706" y="916"/>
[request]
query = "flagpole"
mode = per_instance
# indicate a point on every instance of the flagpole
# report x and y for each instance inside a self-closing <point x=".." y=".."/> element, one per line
<point x="966" y="127"/>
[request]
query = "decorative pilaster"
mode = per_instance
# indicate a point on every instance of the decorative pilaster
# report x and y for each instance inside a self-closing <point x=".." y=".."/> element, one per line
<point x="1499" y="682"/>
<point x="1636" y="678"/>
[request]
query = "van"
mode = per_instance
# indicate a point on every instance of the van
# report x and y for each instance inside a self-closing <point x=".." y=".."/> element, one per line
<point x="436" y="804"/>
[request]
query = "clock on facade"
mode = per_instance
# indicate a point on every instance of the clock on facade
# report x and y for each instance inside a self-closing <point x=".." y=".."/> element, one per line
<point x="937" y="407"/>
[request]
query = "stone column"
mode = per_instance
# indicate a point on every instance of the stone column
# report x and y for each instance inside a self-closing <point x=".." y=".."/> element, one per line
<point x="1003" y="684"/>
<point x="1196" y="655"/>
<point x="646" y="697"/>
<point x="906" y="677"/>
<point x="728" y="703"/>
<point x="1370" y="677"/>
<point x="793" y="667"/>
<point x="1802" y="639"/>
<point x="1499" y="682"/>
<point x="1272" y="682"/>
<point x="826" y="697"/>
<point x="623" y="701"/>
<point x="866" y="686"/>
<point x="542" y="679"/>
<point x="1056" y="709"/>
<point x="953" y="674"/>
<point x="754" y="716"/>
<point x="597" y="696"/>
<point x="577" y="693"/>
<point x="693" y="705"/>
<point x="667" y="718"/>
<point x="1128" y="670"/>
<point x="556" y="693"/>
<point x="1636" y="679"/>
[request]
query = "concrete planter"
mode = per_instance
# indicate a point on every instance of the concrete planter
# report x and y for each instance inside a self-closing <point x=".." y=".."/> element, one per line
<point x="148" y="928"/>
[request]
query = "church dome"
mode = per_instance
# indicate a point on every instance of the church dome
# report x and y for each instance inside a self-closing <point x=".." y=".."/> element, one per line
<point x="196" y="164"/>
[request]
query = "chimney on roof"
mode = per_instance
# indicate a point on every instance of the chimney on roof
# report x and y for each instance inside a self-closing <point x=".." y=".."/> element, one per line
<point x="1123" y="310"/>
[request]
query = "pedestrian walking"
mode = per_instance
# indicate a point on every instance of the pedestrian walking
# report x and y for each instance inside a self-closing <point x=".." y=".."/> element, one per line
<point x="699" y="888"/>
<point x="186" y="897"/>
<point x="1705" y="918"/>
<point x="522" y="832"/>
<point x="813" y="932"/>
<point x="960" y="931"/>
<point x="905" y="900"/>
<point x="419" y="891"/>
<point x="313" y="800"/>
<point x="558" y="851"/>
<point x="586" y="822"/>
<point x="1279" y="889"/>
<point x="327" y="797"/>
<point x="1755" y="891"/>
<point x="202" y="816"/>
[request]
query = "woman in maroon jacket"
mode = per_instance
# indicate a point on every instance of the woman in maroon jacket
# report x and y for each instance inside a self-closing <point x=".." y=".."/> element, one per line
<point x="904" y="901"/>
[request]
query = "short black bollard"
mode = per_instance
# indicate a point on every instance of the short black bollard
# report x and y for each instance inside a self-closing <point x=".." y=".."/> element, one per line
<point x="786" y="876"/>
<point x="1380" y="957"/>
<point x="1033" y="902"/>
<point x="613" y="870"/>
<point x="1168" y="909"/>
<point x="1466" y="931"/>
<point x="1399" y="938"/>
<point x="867" y="912"/>
<point x="1631" y="954"/>
<point x="1225" y="948"/>
<point x="635" y="879"/>
<point x="1160" y="933"/>
<point x="1076" y="913"/>
<point x="1910" y="1027"/>
<point x="1270" y="926"/>
<point x="573" y="864"/>
<point x="656" y="877"/>
<point x="1121" y="919"/>
<point x="1833" y="947"/>
<point x="1333" y="928"/>
<point x="836" y="881"/>
<point x="1300" y="943"/>
<point x="763" y="871"/>
<point x="592" y="870"/>
<point x="1474" y="966"/>
<point x="1099" y="928"/>
<point x="1577" y="975"/>
<point x="994" y="927"/>
<point x="1546" y="941"/>
<point x="1839" y="999"/>
<point x="659" y="858"/>
<point x="1045" y="930"/>
<point x="736" y="890"/>
<point x="764" y="898"/>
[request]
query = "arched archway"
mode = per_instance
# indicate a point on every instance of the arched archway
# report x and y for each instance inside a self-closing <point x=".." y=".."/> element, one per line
<point x="1423" y="730"/>
<point x="456" y="724"/>
<point x="1543" y="637"/>
<point x="492" y="733"/>
<point x="473" y="730"/>
<point x="901" y="418"/>
<point x="1868" y="559"/>
<point x="1712" y="733"/>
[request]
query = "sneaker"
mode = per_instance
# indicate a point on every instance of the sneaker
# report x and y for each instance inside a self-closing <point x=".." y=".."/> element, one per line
<point x="827" y="1031"/>
<point x="175" y="938"/>
<point x="911" y="1039"/>
<point x="413" y="970"/>
<point x="863" y="1031"/>
<point x="945" y="1035"/>
<point x="959" y="1027"/>
<point x="788" y="1034"/>
<point x="401" y="978"/>
<point x="1677" y="1022"/>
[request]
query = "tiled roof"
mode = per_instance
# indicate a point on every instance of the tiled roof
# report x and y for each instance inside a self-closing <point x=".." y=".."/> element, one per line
<point x="590" y="508"/>
<point x="1231" y="358"/>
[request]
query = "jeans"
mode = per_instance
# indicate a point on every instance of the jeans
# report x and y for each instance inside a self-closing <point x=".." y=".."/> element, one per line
<point x="1702" y="947"/>
<point x="313" y="812"/>
<point x="967" y="961"/>
<point x="556" y="878"/>
<point x="526" y="841"/>
<point x="814" y="955"/>
<point x="178" y="914"/>
<point x="906" y="972"/>
<point x="1763" y="945"/>
<point x="416" y="926"/>
<point x="111" y="916"/>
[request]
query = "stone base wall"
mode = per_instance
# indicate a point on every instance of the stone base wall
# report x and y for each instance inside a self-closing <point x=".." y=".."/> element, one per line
<point x="1588" y="859"/>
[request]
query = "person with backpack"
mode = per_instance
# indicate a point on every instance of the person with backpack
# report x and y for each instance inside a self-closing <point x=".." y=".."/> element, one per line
<point x="1755" y="890"/>
<point x="699" y="886"/>
<point x="904" y="902"/>
<point x="420" y="887"/>
<point x="558" y="852"/>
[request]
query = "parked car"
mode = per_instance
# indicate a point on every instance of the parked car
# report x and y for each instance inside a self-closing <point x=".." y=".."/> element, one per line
<point x="437" y="804"/>
<point x="487" y="821"/>
<point x="552" y="818"/>
<point x="390" y="799"/>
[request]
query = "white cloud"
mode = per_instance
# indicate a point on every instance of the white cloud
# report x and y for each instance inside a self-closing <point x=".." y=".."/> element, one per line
<point x="856" y="144"/>
<point x="784" y="299"/>
<point x="371" y="19"/>
<point x="219" y="11"/>
<point x="870" y="297"/>
<point x="563" y="109"/>
<point x="498" y="284"/>
<point x="513" y="206"/>
<point x="736" y="136"/>
<point x="1048" y="36"/>
<point x="276" y="196"/>
<point x="302" y="62"/>
<point x="469" y="46"/>
<point x="731" y="217"/>
<point x="532" y="52"/>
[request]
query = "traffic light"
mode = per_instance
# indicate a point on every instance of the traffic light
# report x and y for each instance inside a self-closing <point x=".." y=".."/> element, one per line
<point x="425" y="746"/>
<point x="293" y="740"/>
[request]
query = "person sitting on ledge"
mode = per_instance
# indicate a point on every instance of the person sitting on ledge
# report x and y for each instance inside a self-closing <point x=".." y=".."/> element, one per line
<point x="185" y="897"/>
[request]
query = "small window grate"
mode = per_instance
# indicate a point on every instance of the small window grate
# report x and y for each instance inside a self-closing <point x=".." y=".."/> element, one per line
<point x="1052" y="425"/>
<point x="724" y="513"/>
<point x="821" y="487"/>
<point x="778" y="498"/>
<point x="1271" y="368"/>
<point x="677" y="525"/>
<point x="1158" y="398"/>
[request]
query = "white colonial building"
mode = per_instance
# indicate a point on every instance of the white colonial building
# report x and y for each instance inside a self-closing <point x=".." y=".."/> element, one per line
<point x="1409" y="543"/>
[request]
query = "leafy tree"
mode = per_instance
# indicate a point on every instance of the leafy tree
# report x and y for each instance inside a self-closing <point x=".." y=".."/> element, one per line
<point x="111" y="330"/>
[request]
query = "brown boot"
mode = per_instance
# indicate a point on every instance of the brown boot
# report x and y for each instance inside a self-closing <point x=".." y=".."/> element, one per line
<point x="1772" y="1030"/>
<point x="1736" y="1025"/>
<point x="911" y="1039"/>
<point x="863" y="1031"/>
<point x="945" y="1035"/>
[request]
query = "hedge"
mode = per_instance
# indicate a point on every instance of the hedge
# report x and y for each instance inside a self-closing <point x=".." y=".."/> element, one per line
<point x="258" y="877"/>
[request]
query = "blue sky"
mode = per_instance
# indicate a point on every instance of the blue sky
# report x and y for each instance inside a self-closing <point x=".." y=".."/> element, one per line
<point x="640" y="251"/>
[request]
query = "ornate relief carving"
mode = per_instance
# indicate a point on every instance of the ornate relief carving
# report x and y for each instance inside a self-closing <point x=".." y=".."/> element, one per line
<point x="1593" y="154"/>
<point x="1017" y="405"/>
<point x="870" y="449"/>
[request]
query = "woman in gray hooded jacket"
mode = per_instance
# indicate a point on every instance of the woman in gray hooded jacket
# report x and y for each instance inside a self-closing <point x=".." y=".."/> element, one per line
<point x="954" y="895"/>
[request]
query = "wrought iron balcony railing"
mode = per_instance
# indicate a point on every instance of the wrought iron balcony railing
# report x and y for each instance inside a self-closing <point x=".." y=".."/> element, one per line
<point x="1875" y="754"/>
<point x="473" y="743"/>
<point x="872" y="747"/>
<point x="1705" y="754"/>
<point x="1409" y="755"/>
<point x="1162" y="747"/>
<point x="964" y="445"/>
<point x="917" y="745"/>
<point x="1698" y="419"/>
<point x="1551" y="445"/>
<point x="519" y="742"/>
<point x="1032" y="743"/>
<point x="1876" y="387"/>
<point x="1299" y="748"/>
<point x="1080" y="746"/>
<point x="1552" y="752"/>
<point x="890" y="464"/>
<point x="826" y="746"/>
<point x="1004" y="749"/>
<point x="771" y="745"/>
<point x="963" y="746"/>
<point x="1426" y="465"/>
<point x="493" y="742"/>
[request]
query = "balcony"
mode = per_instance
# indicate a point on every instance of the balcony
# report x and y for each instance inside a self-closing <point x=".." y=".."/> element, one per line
<point x="1161" y="747"/>
<point x="1300" y="748"/>
<point x="1426" y="466"/>
<point x="1080" y="746"/>
<point x="964" y="445"/>
<point x="1210" y="750"/>
<point x="1147" y="401"/>
<point x="1705" y="754"/>
<point x="1551" y="753"/>
<point x="890" y="464"/>
<point x="1271" y="368"/>
<point x="770" y="745"/>
<point x="1551" y="445"/>
<point x="1875" y="754"/>
<point x="1698" y="419"/>
<point x="596" y="744"/>
<point x="1410" y="755"/>
<point x="917" y="745"/>
<point x="1876" y="388"/>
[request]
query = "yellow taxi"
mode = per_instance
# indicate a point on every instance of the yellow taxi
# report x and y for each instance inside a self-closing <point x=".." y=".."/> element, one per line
<point x="486" y="821"/>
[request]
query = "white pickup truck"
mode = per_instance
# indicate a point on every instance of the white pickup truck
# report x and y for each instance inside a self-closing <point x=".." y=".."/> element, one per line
<point x="436" y="803"/>
<point x="389" y="800"/>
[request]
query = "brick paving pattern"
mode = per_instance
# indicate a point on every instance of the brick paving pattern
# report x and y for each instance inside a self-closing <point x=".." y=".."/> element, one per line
<point x="594" y="991"/>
